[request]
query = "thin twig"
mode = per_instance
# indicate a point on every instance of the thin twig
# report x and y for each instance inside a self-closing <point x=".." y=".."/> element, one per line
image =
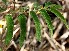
<point x="58" y="30"/>
<point x="29" y="21"/>
<point x="50" y="41"/>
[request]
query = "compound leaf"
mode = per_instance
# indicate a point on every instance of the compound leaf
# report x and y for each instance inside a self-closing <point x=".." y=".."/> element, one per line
<point x="49" y="4"/>
<point x="48" y="20"/>
<point x="22" y="22"/>
<point x="37" y="25"/>
<point x="59" y="15"/>
<point x="10" y="26"/>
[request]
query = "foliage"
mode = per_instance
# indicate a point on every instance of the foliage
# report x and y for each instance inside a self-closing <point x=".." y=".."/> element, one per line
<point x="4" y="1"/>
<point x="10" y="26"/>
<point x="48" y="20"/>
<point x="22" y="21"/>
<point x="37" y="25"/>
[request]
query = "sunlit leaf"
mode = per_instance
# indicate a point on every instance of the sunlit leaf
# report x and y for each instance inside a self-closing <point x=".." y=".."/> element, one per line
<point x="57" y="6"/>
<point x="37" y="25"/>
<point x="36" y="5"/>
<point x="22" y="22"/>
<point x="59" y="15"/>
<point x="49" y="4"/>
<point x="48" y="20"/>
<point x="10" y="26"/>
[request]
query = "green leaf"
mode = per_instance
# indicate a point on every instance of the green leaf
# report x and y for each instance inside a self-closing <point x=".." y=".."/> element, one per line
<point x="22" y="22"/>
<point x="0" y="49"/>
<point x="37" y="25"/>
<point x="4" y="1"/>
<point x="57" y="6"/>
<point x="10" y="26"/>
<point x="48" y="20"/>
<point x="36" y="5"/>
<point x="2" y="9"/>
<point x="59" y="15"/>
<point x="49" y="4"/>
